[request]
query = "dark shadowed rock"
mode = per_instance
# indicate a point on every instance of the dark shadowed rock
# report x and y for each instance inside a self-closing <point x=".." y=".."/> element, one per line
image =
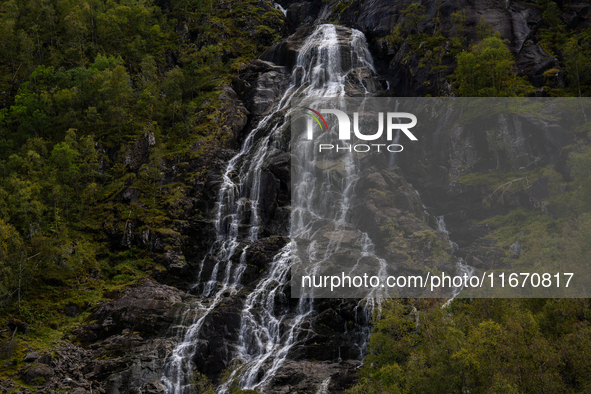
<point x="149" y="308"/>
<point x="71" y="310"/>
<point x="175" y="261"/>
<point x="312" y="377"/>
<point x="577" y="15"/>
<point x="38" y="374"/>
<point x="533" y="62"/>
<point x="46" y="359"/>
<point x="260" y="84"/>
<point x="303" y="13"/>
<point x="258" y="257"/>
<point x="152" y="388"/>
<point x="139" y="152"/>
<point x="219" y="337"/>
<point x="30" y="357"/>
<point x="234" y="113"/>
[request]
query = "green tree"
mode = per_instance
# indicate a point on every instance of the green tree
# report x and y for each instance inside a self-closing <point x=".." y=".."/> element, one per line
<point x="9" y="48"/>
<point x="483" y="29"/>
<point x="149" y="86"/>
<point x="458" y="20"/>
<point x="553" y="37"/>
<point x="578" y="66"/>
<point x="487" y="70"/>
<point x="414" y="13"/>
<point x="11" y="255"/>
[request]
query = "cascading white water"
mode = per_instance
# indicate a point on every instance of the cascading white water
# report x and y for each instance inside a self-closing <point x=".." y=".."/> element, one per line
<point x="318" y="72"/>
<point x="441" y="227"/>
<point x="461" y="266"/>
<point x="323" y="389"/>
<point x="280" y="8"/>
<point x="317" y="202"/>
<point x="231" y="209"/>
<point x="268" y="331"/>
<point x="263" y="344"/>
<point x="392" y="157"/>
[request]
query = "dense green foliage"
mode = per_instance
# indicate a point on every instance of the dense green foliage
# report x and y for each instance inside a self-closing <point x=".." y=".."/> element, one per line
<point x="480" y="346"/>
<point x="80" y="83"/>
<point x="487" y="70"/>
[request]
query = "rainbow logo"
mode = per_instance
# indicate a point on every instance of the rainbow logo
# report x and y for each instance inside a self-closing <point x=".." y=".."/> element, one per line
<point x="316" y="118"/>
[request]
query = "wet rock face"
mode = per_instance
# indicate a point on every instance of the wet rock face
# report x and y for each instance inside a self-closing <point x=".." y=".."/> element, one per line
<point x="329" y="335"/>
<point x="217" y="343"/>
<point x="150" y="309"/>
<point x="260" y="85"/>
<point x="303" y="13"/>
<point x="506" y="143"/>
<point x="259" y="255"/>
<point x="234" y="113"/>
<point x="310" y="377"/>
<point x="285" y="52"/>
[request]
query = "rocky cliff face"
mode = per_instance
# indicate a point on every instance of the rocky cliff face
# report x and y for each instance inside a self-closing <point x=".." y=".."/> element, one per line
<point x="126" y="343"/>
<point x="402" y="63"/>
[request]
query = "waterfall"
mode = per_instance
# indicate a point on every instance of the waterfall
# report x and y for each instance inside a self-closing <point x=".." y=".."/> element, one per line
<point x="280" y="8"/>
<point x="392" y="158"/>
<point x="263" y="344"/>
<point x="323" y="389"/>
<point x="266" y="334"/>
<point x="461" y="265"/>
<point x="441" y="227"/>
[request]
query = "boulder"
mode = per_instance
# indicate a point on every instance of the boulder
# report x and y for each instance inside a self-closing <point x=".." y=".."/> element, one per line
<point x="152" y="388"/>
<point x="149" y="308"/>
<point x="46" y="359"/>
<point x="30" y="357"/>
<point x="38" y="374"/>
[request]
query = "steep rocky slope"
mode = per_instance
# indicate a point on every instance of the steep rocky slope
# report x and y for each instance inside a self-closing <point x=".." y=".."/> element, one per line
<point x="124" y="345"/>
